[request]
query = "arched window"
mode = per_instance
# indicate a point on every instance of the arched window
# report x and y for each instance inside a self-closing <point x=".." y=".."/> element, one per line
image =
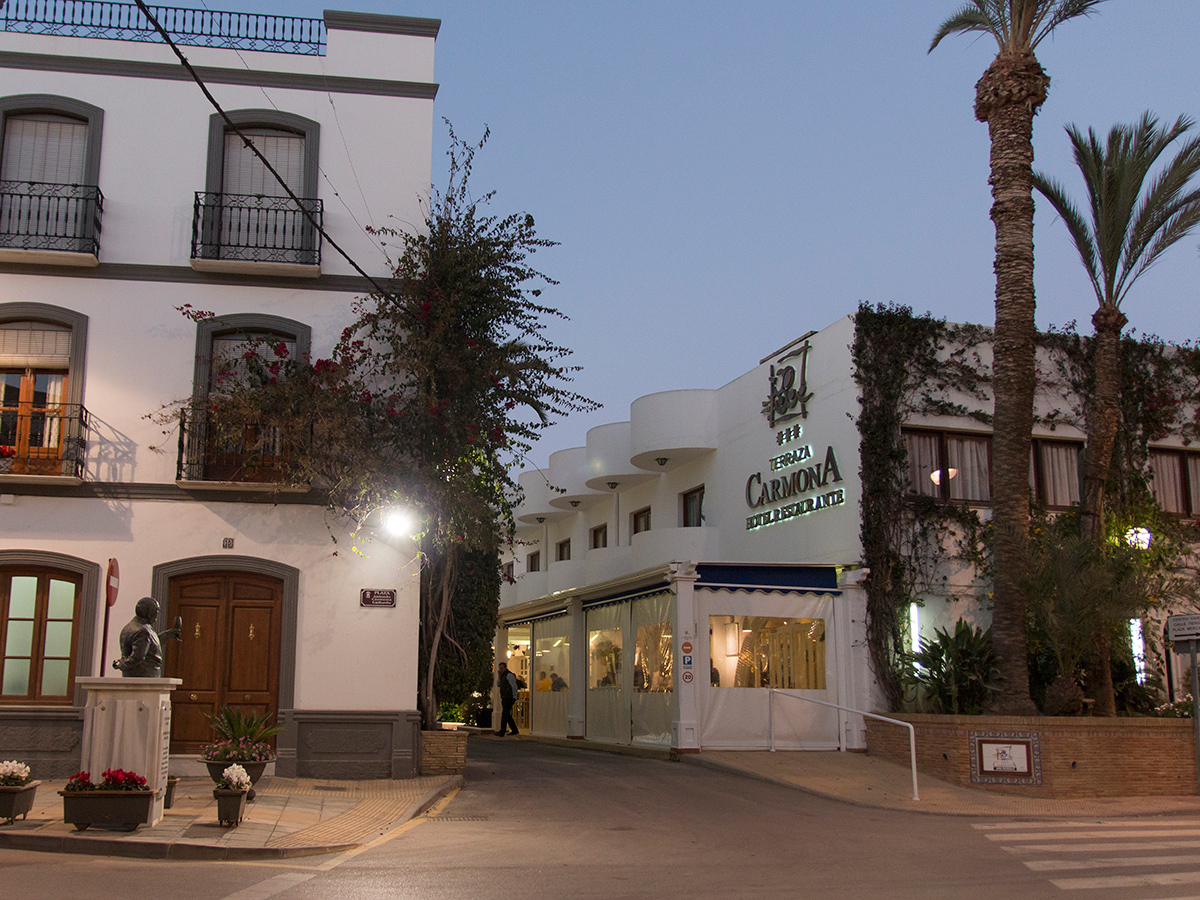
<point x="256" y="454"/>
<point x="42" y="418"/>
<point x="50" y="201"/>
<point x="245" y="215"/>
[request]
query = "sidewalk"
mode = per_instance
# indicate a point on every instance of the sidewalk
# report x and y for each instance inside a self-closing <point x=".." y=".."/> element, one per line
<point x="290" y="817"/>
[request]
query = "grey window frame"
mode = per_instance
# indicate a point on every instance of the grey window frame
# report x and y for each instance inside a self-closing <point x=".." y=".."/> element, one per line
<point x="533" y="561"/>
<point x="93" y="116"/>
<point x="683" y="507"/>
<point x="600" y="531"/>
<point x="241" y="323"/>
<point x="633" y="521"/>
<point x="562" y="551"/>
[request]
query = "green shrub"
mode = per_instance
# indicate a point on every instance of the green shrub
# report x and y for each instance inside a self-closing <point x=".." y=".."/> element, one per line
<point x="954" y="673"/>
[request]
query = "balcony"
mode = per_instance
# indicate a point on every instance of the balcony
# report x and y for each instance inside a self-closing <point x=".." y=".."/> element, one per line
<point x="45" y="443"/>
<point x="256" y="235"/>
<point x="252" y="456"/>
<point x="191" y="27"/>
<point x="50" y="223"/>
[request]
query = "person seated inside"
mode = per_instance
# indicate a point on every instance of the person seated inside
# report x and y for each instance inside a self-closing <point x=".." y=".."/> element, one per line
<point x="543" y="682"/>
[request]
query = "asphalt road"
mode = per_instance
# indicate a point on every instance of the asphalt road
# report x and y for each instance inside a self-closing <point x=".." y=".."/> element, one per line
<point x="543" y="822"/>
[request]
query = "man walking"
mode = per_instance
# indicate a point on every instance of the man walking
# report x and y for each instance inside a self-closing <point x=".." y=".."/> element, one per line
<point x="508" y="696"/>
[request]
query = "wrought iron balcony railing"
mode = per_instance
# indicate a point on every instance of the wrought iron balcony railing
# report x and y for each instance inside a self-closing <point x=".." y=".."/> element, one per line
<point x="35" y="215"/>
<point x="254" y="228"/>
<point x="44" y="442"/>
<point x="193" y="27"/>
<point x="252" y="453"/>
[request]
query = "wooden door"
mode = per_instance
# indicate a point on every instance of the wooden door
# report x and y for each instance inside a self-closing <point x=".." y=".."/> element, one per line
<point x="229" y="654"/>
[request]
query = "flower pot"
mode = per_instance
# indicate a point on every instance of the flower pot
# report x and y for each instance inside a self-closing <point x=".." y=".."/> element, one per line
<point x="123" y="810"/>
<point x="216" y="771"/>
<point x="231" y="806"/>
<point x="169" y="796"/>
<point x="16" y="801"/>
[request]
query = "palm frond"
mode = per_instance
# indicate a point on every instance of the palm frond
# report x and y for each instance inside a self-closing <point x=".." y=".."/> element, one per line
<point x="1053" y="14"/>
<point x="1077" y="226"/>
<point x="985" y="16"/>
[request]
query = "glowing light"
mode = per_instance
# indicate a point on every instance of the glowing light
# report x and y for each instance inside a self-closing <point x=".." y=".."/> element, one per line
<point x="914" y="627"/>
<point x="1139" y="538"/>
<point x="399" y="522"/>
<point x="936" y="475"/>
<point x="1139" y="648"/>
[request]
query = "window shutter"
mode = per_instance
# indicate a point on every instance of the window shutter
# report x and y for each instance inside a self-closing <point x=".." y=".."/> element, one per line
<point x="244" y="173"/>
<point x="44" y="148"/>
<point x="34" y="345"/>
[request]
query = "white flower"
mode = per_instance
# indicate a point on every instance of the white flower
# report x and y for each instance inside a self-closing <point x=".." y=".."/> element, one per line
<point x="13" y="773"/>
<point x="236" y="778"/>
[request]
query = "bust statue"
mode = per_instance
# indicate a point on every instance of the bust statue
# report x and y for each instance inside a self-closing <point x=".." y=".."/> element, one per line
<point x="141" y="651"/>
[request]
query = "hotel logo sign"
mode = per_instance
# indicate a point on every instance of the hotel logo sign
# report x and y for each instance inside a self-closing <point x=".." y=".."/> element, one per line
<point x="789" y="394"/>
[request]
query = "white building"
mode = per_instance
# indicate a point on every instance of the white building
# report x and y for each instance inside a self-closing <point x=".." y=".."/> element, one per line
<point x="124" y="197"/>
<point x="708" y="549"/>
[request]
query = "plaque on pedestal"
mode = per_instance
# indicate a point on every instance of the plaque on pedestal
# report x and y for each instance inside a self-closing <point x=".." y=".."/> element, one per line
<point x="127" y="725"/>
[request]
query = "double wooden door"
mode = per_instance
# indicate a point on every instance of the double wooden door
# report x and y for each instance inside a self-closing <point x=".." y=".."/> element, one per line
<point x="229" y="652"/>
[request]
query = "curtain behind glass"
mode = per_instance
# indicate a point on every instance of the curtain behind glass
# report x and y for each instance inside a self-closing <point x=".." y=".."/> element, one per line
<point x="922" y="462"/>
<point x="968" y="458"/>
<point x="1060" y="473"/>
<point x="552" y="655"/>
<point x="653" y="675"/>
<point x="1166" y="481"/>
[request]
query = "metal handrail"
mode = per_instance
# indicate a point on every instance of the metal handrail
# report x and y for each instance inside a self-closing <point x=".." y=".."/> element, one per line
<point x="912" y="732"/>
<point x="196" y="27"/>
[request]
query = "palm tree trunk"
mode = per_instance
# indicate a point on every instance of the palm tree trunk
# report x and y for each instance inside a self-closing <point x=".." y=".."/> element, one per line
<point x="1103" y="416"/>
<point x="1007" y="97"/>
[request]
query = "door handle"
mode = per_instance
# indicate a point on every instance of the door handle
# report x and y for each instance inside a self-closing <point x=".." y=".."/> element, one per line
<point x="251" y="632"/>
<point x="197" y="631"/>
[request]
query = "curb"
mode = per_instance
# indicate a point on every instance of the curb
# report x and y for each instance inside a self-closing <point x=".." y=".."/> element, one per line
<point x="81" y="844"/>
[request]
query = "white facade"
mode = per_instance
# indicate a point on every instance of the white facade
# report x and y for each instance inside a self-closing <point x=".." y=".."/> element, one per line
<point x="776" y="546"/>
<point x="341" y="675"/>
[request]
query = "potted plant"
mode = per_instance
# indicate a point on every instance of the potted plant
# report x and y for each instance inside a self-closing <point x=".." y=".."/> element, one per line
<point x="231" y="795"/>
<point x="6" y="458"/>
<point x="17" y="788"/>
<point x="243" y="740"/>
<point x="122" y="800"/>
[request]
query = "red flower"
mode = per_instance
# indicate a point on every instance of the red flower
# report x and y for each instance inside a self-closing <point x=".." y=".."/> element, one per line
<point x="281" y="350"/>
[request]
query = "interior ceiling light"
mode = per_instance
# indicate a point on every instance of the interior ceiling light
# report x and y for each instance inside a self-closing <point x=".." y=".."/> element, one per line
<point x="936" y="475"/>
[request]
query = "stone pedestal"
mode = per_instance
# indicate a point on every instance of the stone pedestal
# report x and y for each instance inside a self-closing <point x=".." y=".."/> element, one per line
<point x="127" y="725"/>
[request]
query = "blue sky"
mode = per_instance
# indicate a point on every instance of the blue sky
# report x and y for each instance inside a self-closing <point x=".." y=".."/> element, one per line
<point x="723" y="177"/>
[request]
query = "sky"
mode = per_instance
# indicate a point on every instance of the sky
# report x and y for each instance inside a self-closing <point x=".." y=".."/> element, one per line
<point x="723" y="177"/>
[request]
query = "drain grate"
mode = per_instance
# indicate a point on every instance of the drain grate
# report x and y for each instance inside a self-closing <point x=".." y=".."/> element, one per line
<point x="328" y="787"/>
<point x="459" y="819"/>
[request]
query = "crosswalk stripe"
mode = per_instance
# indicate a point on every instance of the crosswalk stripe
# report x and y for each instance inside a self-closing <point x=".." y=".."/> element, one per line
<point x="1118" y="881"/>
<point x="1059" y="865"/>
<point x="1104" y="847"/>
<point x="1067" y="823"/>
<point x="1061" y="835"/>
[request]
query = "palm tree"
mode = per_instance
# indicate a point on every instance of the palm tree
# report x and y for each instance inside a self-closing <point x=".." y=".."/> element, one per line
<point x="1130" y="227"/>
<point x="1007" y="97"/>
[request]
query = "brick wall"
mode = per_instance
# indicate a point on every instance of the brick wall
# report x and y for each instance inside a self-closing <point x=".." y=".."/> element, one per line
<point x="1081" y="757"/>
<point x="443" y="752"/>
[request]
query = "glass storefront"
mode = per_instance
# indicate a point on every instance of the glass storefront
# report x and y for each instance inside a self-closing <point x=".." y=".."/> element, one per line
<point x="550" y="672"/>
<point x="653" y="672"/>
<point x="765" y="651"/>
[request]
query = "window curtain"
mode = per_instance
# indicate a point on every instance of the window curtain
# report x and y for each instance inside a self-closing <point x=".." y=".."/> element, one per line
<point x="969" y="456"/>
<point x="1060" y="473"/>
<point x="1193" y="463"/>
<point x="1166" y="481"/>
<point x="653" y="676"/>
<point x="552" y="655"/>
<point x="922" y="462"/>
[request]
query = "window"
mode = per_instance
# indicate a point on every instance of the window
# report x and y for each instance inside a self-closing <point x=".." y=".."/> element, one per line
<point x="599" y="537"/>
<point x="39" y="622"/>
<point x="641" y="520"/>
<point x="245" y="215"/>
<point x="533" y="562"/>
<point x="692" y="503"/>
<point x="760" y="651"/>
<point x="508" y="572"/>
<point x="255" y="455"/>
<point x="1054" y="472"/>
<point x="42" y="421"/>
<point x="949" y="466"/>
<point x="49" y="172"/>
<point x="562" y="550"/>
<point x="1175" y="481"/>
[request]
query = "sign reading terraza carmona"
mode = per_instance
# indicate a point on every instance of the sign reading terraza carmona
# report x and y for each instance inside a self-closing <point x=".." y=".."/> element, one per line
<point x="795" y="472"/>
